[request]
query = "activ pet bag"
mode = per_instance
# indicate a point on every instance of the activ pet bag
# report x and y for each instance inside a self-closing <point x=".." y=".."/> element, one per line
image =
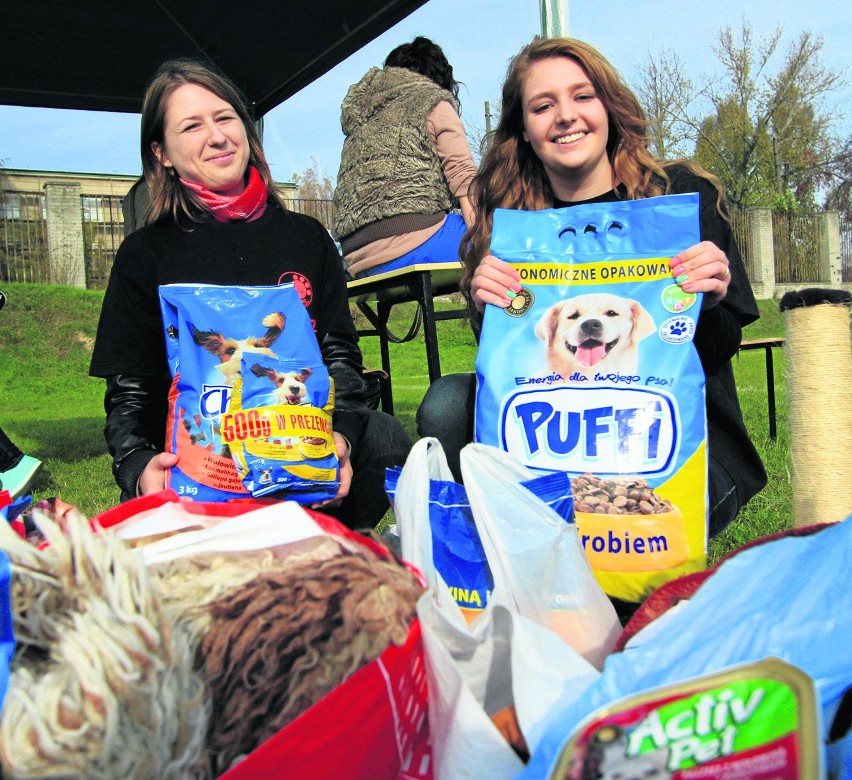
<point x="251" y="400"/>
<point x="591" y="370"/>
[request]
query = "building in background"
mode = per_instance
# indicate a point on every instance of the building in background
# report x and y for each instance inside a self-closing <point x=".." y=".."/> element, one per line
<point x="62" y="227"/>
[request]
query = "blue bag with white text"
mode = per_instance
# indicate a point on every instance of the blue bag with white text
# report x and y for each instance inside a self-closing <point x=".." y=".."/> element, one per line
<point x="592" y="371"/>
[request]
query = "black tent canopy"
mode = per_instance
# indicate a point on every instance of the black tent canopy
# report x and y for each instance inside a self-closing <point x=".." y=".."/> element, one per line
<point x="99" y="55"/>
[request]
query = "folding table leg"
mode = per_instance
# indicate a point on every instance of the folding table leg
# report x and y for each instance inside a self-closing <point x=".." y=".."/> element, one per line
<point x="383" y="310"/>
<point x="770" y="389"/>
<point x="430" y="334"/>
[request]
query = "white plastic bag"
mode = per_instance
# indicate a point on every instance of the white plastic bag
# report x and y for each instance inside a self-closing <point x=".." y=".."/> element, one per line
<point x="502" y="660"/>
<point x="535" y="555"/>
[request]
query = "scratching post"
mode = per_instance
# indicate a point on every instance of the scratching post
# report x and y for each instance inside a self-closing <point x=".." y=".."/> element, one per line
<point x="819" y="379"/>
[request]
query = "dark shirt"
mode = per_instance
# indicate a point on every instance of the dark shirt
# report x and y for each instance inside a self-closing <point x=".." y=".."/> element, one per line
<point x="278" y="247"/>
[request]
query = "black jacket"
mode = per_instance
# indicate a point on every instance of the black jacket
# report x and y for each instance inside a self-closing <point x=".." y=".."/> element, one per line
<point x="130" y="347"/>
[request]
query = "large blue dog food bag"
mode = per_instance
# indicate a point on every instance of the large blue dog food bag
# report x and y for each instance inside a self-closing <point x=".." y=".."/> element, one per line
<point x="592" y="371"/>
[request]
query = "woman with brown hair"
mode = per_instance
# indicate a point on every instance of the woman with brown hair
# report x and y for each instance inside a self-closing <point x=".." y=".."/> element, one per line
<point x="216" y="218"/>
<point x="571" y="131"/>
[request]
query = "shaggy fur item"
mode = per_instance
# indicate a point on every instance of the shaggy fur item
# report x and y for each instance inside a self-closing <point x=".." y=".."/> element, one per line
<point x="187" y="585"/>
<point x="102" y="687"/>
<point x="284" y="640"/>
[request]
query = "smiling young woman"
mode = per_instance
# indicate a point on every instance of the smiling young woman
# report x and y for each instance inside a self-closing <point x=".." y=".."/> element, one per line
<point x="216" y="218"/>
<point x="204" y="140"/>
<point x="566" y="125"/>
<point x="571" y="131"/>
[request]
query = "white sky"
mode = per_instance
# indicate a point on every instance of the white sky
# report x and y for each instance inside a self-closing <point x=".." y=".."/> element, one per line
<point x="479" y="37"/>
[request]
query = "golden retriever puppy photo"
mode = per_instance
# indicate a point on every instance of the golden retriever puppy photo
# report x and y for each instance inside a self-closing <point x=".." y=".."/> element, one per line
<point x="597" y="333"/>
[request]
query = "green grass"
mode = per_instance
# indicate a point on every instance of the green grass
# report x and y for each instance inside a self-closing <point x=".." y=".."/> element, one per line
<point x="53" y="410"/>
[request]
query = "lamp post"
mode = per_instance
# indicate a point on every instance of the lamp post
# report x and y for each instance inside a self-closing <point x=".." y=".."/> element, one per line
<point x="554" y="18"/>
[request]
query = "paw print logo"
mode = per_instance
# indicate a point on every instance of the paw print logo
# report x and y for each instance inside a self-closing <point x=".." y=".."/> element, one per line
<point x="677" y="330"/>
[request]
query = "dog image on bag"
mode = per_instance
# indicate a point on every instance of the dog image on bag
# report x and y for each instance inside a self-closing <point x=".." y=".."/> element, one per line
<point x="607" y="759"/>
<point x="595" y="333"/>
<point x="290" y="388"/>
<point x="229" y="350"/>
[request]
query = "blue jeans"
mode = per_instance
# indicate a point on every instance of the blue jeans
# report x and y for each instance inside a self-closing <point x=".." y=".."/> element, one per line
<point x="447" y="413"/>
<point x="384" y="444"/>
<point x="443" y="247"/>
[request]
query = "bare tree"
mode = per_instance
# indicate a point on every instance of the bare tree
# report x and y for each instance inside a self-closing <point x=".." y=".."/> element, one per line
<point x="666" y="93"/>
<point x="313" y="183"/>
<point x="839" y="188"/>
<point x="758" y="123"/>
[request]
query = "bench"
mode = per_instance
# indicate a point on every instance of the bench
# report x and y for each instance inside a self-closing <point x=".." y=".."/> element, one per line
<point x="376" y="295"/>
<point x="767" y="346"/>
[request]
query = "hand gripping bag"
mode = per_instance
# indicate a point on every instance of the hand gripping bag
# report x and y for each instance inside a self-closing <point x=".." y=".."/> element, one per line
<point x="490" y="682"/>
<point x="592" y="371"/>
<point x="251" y="400"/>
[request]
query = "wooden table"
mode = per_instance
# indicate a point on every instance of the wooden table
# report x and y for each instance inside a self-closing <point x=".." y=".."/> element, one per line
<point x="376" y="295"/>
<point x="767" y="345"/>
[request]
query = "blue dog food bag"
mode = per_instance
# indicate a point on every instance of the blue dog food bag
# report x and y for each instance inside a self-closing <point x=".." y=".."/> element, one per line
<point x="278" y="426"/>
<point x="251" y="400"/>
<point x="457" y="551"/>
<point x="592" y="371"/>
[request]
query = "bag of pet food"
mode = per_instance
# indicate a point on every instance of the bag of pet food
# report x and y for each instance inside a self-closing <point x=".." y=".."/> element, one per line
<point x="755" y="720"/>
<point x="592" y="371"/>
<point x="278" y="426"/>
<point x="251" y="400"/>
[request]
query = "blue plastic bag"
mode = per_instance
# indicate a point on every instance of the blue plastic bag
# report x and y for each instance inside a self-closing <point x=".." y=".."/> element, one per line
<point x="7" y="634"/>
<point x="787" y="599"/>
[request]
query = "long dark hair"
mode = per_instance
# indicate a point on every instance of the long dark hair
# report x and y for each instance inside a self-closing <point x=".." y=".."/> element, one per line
<point x="168" y="196"/>
<point x="511" y="174"/>
<point x="425" y="57"/>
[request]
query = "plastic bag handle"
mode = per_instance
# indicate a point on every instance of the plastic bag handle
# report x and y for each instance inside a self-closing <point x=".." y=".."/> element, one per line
<point x="425" y="462"/>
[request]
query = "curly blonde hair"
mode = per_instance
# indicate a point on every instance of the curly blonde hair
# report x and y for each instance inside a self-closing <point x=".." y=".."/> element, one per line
<point x="511" y="174"/>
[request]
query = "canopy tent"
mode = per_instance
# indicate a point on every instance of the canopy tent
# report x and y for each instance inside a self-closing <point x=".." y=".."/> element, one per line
<point x="100" y="54"/>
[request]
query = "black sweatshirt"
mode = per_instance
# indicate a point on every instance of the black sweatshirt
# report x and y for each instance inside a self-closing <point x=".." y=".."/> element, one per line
<point x="279" y="247"/>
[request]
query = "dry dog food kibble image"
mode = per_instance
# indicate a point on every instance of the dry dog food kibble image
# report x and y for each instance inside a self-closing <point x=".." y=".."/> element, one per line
<point x="616" y="496"/>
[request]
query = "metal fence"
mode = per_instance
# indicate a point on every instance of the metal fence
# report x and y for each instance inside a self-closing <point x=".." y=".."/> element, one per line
<point x="323" y="210"/>
<point x="846" y="250"/>
<point x="103" y="230"/>
<point x="24" y="255"/>
<point x="23" y="238"/>
<point x="742" y="232"/>
<point x="797" y="241"/>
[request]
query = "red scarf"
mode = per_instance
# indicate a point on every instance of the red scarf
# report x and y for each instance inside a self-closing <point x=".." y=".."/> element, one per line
<point x="248" y="205"/>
